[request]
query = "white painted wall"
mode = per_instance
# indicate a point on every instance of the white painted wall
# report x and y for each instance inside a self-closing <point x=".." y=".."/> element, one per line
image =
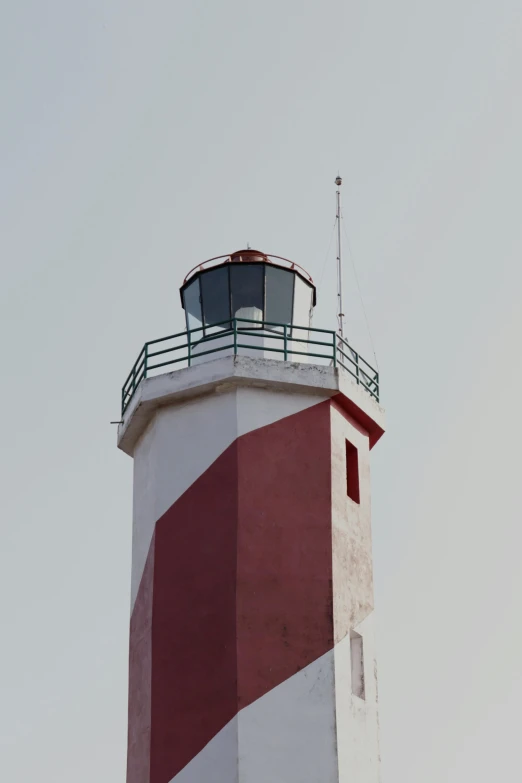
<point x="357" y="719"/>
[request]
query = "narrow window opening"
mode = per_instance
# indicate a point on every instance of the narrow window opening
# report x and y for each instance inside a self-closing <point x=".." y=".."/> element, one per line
<point x="352" y="472"/>
<point x="357" y="656"/>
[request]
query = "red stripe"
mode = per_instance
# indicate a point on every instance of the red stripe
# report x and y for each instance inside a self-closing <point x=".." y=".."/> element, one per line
<point x="140" y="670"/>
<point x="242" y="584"/>
<point x="284" y="587"/>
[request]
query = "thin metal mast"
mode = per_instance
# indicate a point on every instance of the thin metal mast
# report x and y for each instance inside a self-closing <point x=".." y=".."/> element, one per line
<point x="340" y="310"/>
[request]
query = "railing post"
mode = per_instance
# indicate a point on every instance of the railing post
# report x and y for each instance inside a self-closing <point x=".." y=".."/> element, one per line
<point x="235" y="336"/>
<point x="145" y="360"/>
<point x="334" y="335"/>
<point x="285" y="343"/>
<point x="123" y="400"/>
<point x="189" y="347"/>
<point x="357" y="367"/>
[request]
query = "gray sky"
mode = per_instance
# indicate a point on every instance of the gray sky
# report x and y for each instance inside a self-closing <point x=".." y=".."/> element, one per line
<point x="139" y="137"/>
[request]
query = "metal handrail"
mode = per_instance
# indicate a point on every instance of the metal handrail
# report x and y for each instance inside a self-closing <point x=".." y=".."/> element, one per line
<point x="336" y="350"/>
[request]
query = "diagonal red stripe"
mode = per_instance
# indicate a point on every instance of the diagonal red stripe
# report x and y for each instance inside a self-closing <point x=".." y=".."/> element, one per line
<point x="140" y="671"/>
<point x="242" y="584"/>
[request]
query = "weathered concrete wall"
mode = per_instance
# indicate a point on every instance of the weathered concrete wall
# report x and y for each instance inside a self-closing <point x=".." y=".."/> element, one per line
<point x="251" y="567"/>
<point x="357" y="718"/>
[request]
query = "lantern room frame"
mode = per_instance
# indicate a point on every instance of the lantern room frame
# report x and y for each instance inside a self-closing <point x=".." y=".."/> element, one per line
<point x="281" y="292"/>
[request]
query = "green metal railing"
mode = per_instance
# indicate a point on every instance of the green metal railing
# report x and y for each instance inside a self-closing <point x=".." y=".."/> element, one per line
<point x="363" y="373"/>
<point x="288" y="341"/>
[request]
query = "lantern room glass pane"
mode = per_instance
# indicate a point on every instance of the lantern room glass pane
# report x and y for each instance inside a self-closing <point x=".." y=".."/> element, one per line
<point x="247" y="291"/>
<point x="302" y="307"/>
<point x="215" y="295"/>
<point x="192" y="304"/>
<point x="279" y="295"/>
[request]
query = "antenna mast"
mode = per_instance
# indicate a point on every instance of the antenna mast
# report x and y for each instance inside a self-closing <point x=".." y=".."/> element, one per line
<point x="340" y="310"/>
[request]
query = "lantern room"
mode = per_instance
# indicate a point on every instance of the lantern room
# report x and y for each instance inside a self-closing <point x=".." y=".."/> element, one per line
<point x="260" y="291"/>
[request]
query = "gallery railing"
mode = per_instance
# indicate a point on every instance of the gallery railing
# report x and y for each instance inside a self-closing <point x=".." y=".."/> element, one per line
<point x="285" y="341"/>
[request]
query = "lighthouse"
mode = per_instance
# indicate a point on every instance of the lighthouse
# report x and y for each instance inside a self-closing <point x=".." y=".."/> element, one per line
<point x="252" y="651"/>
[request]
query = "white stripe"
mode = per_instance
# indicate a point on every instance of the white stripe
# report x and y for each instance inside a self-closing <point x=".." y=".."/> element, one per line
<point x="357" y="720"/>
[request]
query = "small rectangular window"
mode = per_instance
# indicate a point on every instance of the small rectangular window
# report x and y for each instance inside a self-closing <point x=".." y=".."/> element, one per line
<point x="357" y="654"/>
<point x="352" y="472"/>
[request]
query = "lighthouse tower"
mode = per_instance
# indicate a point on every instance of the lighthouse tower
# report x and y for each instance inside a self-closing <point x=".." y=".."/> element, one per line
<point x="252" y="654"/>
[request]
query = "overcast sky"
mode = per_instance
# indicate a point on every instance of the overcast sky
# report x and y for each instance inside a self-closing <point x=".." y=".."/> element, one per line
<point x="139" y="137"/>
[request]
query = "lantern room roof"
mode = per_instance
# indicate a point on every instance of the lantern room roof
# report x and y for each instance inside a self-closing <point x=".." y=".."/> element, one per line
<point x="250" y="256"/>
